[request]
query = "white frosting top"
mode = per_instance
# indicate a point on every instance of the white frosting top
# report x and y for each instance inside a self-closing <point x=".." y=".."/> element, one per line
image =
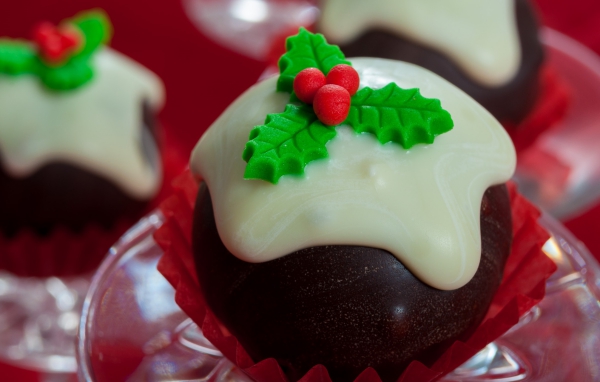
<point x="421" y="204"/>
<point x="481" y="37"/>
<point x="97" y="126"/>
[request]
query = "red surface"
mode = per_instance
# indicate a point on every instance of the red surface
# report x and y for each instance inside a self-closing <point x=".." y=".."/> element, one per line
<point x="202" y="79"/>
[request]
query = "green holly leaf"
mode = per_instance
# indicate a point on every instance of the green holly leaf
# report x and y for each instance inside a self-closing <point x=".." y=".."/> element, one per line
<point x="285" y="144"/>
<point x="17" y="57"/>
<point x="76" y="72"/>
<point x="398" y="115"/>
<point x="307" y="50"/>
<point x="96" y="28"/>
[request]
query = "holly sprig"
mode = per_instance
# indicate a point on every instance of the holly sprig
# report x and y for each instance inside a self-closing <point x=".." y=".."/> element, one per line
<point x="288" y="141"/>
<point x="306" y="50"/>
<point x="18" y="57"/>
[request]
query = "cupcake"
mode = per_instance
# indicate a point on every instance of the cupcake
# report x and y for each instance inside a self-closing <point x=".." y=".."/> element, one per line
<point x="360" y="230"/>
<point x="79" y="141"/>
<point x="491" y="50"/>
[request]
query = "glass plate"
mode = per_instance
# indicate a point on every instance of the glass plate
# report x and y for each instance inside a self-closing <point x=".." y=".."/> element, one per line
<point x="249" y="27"/>
<point x="39" y="318"/>
<point x="561" y="171"/>
<point x="131" y="329"/>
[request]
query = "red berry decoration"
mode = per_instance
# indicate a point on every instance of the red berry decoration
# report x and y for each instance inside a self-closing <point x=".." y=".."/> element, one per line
<point x="344" y="76"/>
<point x="56" y="44"/>
<point x="331" y="104"/>
<point x="307" y="82"/>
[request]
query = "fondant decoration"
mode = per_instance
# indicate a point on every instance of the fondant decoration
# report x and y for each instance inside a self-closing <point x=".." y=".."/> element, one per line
<point x="285" y="145"/>
<point x="60" y="57"/>
<point x="307" y="83"/>
<point x="345" y="76"/>
<point x="331" y="105"/>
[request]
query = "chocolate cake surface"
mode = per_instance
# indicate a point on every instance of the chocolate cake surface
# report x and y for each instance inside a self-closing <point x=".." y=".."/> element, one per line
<point x="346" y="307"/>
<point x="510" y="101"/>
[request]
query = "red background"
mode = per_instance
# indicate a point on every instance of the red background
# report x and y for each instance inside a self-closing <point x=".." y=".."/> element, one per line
<point x="202" y="78"/>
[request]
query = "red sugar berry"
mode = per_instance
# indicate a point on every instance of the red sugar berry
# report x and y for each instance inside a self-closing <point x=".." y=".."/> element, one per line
<point x="56" y="43"/>
<point x="307" y="82"/>
<point x="331" y="104"/>
<point x="344" y="76"/>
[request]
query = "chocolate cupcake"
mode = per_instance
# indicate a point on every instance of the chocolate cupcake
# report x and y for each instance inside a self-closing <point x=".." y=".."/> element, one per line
<point x="79" y="142"/>
<point x="490" y="50"/>
<point x="367" y="230"/>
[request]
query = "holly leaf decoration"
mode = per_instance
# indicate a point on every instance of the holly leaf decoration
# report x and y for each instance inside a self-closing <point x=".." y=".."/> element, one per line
<point x="20" y="57"/>
<point x="96" y="28"/>
<point x="286" y="143"/>
<point x="398" y="115"/>
<point x="307" y="50"/>
<point x="16" y="57"/>
<point x="76" y="72"/>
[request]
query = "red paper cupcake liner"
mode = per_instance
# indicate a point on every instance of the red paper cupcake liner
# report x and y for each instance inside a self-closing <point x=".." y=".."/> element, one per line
<point x="550" y="107"/>
<point x="522" y="287"/>
<point x="65" y="253"/>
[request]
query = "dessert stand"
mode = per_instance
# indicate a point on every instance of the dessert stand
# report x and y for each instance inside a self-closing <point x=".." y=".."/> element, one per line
<point x="39" y="316"/>
<point x="131" y="328"/>
<point x="561" y="171"/>
<point x="250" y="26"/>
<point x="39" y="320"/>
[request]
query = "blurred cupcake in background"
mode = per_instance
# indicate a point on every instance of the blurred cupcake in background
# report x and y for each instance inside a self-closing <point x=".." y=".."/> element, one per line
<point x="79" y="146"/>
<point x="491" y="50"/>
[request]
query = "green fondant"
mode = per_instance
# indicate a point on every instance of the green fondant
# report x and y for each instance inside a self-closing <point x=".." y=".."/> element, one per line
<point x="96" y="28"/>
<point x="285" y="144"/>
<point x="307" y="50"/>
<point x="17" y="57"/>
<point x="288" y="141"/>
<point x="75" y="73"/>
<point x="20" y="57"/>
<point x="398" y="115"/>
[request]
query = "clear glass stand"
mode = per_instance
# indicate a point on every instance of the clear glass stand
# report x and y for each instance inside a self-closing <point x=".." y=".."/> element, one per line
<point x="39" y="318"/>
<point x="249" y="26"/>
<point x="561" y="171"/>
<point x="131" y="328"/>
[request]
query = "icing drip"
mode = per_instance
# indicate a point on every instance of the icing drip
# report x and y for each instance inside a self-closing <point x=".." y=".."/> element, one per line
<point x="421" y="204"/>
<point x="97" y="127"/>
<point x="480" y="36"/>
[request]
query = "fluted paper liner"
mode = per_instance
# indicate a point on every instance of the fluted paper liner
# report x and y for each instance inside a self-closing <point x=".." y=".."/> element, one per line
<point x="522" y="287"/>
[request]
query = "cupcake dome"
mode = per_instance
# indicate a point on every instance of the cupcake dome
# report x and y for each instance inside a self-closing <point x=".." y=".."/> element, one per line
<point x="77" y="150"/>
<point x="371" y="257"/>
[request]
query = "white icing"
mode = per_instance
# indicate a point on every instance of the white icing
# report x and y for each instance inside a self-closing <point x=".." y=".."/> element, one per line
<point x="421" y="204"/>
<point x="481" y="37"/>
<point x="97" y="127"/>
